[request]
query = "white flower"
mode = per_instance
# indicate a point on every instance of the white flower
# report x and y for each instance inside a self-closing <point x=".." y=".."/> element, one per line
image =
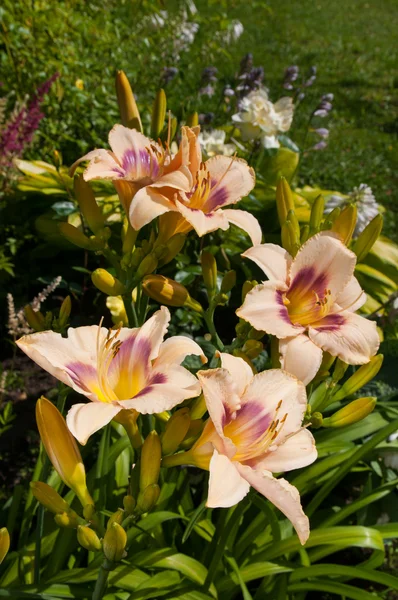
<point x="235" y="30"/>
<point x="259" y="118"/>
<point x="367" y="206"/>
<point x="213" y="142"/>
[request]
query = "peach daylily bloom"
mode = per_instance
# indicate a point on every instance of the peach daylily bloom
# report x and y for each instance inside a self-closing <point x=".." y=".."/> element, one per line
<point x="138" y="167"/>
<point x="216" y="183"/>
<point x="117" y="369"/>
<point x="309" y="303"/>
<point x="255" y="429"/>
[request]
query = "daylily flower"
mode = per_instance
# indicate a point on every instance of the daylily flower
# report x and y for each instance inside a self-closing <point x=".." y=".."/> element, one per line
<point x="254" y="430"/>
<point x="309" y="303"/>
<point x="117" y="369"/>
<point x="139" y="167"/>
<point x="218" y="182"/>
<point x="259" y="118"/>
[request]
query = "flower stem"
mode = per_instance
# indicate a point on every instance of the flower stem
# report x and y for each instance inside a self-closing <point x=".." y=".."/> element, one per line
<point x="208" y="317"/>
<point x="102" y="580"/>
<point x="130" y="310"/>
<point x="182" y="458"/>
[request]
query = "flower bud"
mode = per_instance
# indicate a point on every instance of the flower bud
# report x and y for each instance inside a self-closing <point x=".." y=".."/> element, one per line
<point x="62" y="449"/>
<point x="339" y="370"/>
<point x="4" y="543"/>
<point x="129" y="504"/>
<point x="192" y="119"/>
<point x="247" y="287"/>
<point x="88" y="538"/>
<point x="114" y="543"/>
<point x="317" y="420"/>
<point x="368" y="237"/>
<point x="198" y="408"/>
<point x="173" y="128"/>
<point x="147" y="265"/>
<point x="361" y="377"/>
<point x="352" y="413"/>
<point x="252" y="348"/>
<point x="77" y="237"/>
<point x="284" y="200"/>
<point x="129" y="236"/>
<point x="316" y="216"/>
<point x="169" y="292"/>
<point x="290" y="239"/>
<point x="88" y="205"/>
<point x="89" y="512"/>
<point x="228" y="282"/>
<point x="35" y="319"/>
<point x="117" y="517"/>
<point x="151" y="455"/>
<point x="345" y="223"/>
<point x="209" y="271"/>
<point x="48" y="497"/>
<point x="107" y="283"/>
<point x="69" y="520"/>
<point x="64" y="311"/>
<point x="130" y="116"/>
<point x="176" y="429"/>
<point x="148" y="498"/>
<point x="158" y="114"/>
<point x="173" y="247"/>
<point x="304" y="233"/>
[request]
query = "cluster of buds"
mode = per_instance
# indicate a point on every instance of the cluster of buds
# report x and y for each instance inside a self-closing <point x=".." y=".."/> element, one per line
<point x="209" y="78"/>
<point x="250" y="77"/>
<point x="322" y="110"/>
<point x="291" y="75"/>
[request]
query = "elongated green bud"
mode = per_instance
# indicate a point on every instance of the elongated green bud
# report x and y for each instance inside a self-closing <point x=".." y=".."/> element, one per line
<point x="158" y="114"/>
<point x="344" y="224"/>
<point x="193" y="119"/>
<point x="88" y="204"/>
<point x="107" y="283"/>
<point x="228" y="282"/>
<point x="339" y="370"/>
<point x="147" y="265"/>
<point x="361" y="377"/>
<point x="129" y="113"/>
<point x="209" y="272"/>
<point x="368" y="237"/>
<point x="291" y="216"/>
<point x="252" y="348"/>
<point x="169" y="292"/>
<point x="88" y="538"/>
<point x="129" y="504"/>
<point x="352" y="413"/>
<point x="114" y="543"/>
<point x="49" y="498"/>
<point x="77" y="237"/>
<point x="34" y="318"/>
<point x="129" y="236"/>
<point x="176" y="429"/>
<point x="198" y="408"/>
<point x="4" y="543"/>
<point x="173" y="128"/>
<point x="317" y="214"/>
<point x="247" y="287"/>
<point x="64" y="311"/>
<point x="173" y="247"/>
<point x="290" y="239"/>
<point x="151" y="455"/>
<point x="284" y="200"/>
<point x="117" y="517"/>
<point x="148" y="498"/>
<point x="304" y="234"/>
<point x="69" y="519"/>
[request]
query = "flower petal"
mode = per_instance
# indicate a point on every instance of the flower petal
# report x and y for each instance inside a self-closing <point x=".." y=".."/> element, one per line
<point x="203" y="223"/>
<point x="282" y="494"/>
<point x="135" y="153"/>
<point x="174" y="350"/>
<point x="272" y="259"/>
<point x="352" y="297"/>
<point x="154" y="330"/>
<point x="239" y="370"/>
<point x="323" y="262"/>
<point x="231" y="180"/>
<point x="297" y="451"/>
<point x="274" y="394"/>
<point x="85" y="419"/>
<point x="264" y="309"/>
<point x="103" y="165"/>
<point x="181" y="179"/>
<point x="301" y="357"/>
<point x="226" y="486"/>
<point x="347" y="335"/>
<point x="147" y="204"/>
<point x="244" y="220"/>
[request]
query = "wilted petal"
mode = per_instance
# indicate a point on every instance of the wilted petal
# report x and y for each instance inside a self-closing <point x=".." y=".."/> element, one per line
<point x="301" y="357"/>
<point x="272" y="259"/>
<point x="347" y="335"/>
<point x="231" y="180"/>
<point x="85" y="419"/>
<point x="297" y="451"/>
<point x="264" y="309"/>
<point x="246" y="221"/>
<point x="226" y="486"/>
<point x="239" y="370"/>
<point x="282" y="494"/>
<point x="203" y="223"/>
<point x="352" y="297"/>
<point x="147" y="204"/>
